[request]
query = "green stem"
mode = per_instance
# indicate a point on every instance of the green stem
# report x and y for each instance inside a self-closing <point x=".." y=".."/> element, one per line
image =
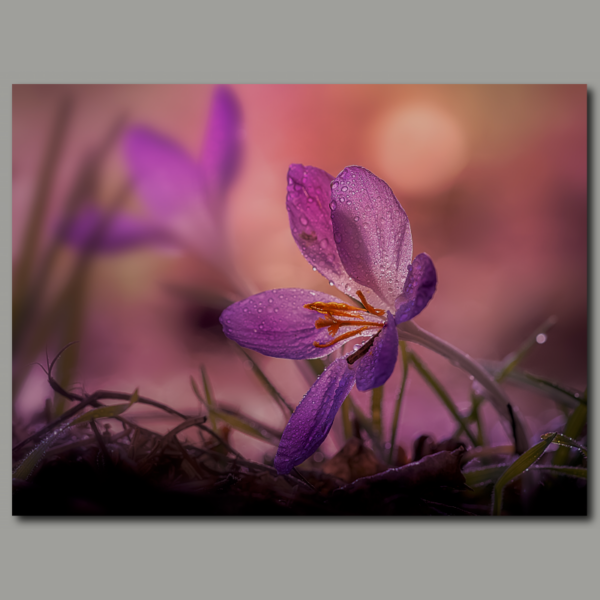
<point x="376" y="398"/>
<point x="396" y="418"/>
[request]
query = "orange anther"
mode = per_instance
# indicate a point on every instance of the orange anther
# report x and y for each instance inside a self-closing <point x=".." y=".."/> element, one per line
<point x="376" y="311"/>
<point x="349" y="318"/>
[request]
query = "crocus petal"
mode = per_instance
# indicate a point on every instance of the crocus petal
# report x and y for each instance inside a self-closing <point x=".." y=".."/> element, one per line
<point x="418" y="288"/>
<point x="372" y="233"/>
<point x="375" y="368"/>
<point x="308" y="200"/>
<point x="311" y="421"/>
<point x="94" y="230"/>
<point x="167" y="179"/>
<point x="221" y="149"/>
<point x="275" y="323"/>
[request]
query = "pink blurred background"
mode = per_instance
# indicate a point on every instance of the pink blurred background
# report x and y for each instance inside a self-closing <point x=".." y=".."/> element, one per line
<point x="494" y="182"/>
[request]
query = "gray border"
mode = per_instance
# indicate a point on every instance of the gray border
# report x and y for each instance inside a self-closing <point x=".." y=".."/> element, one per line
<point x="305" y="42"/>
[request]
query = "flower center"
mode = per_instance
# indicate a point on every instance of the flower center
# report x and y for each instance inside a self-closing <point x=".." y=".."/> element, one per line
<point x="339" y="314"/>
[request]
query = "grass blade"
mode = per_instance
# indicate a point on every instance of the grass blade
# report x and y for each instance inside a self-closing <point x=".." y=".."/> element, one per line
<point x="29" y="463"/>
<point x="573" y="429"/>
<point x="517" y="468"/>
<point x="267" y="384"/>
<point x="240" y="424"/>
<point x="563" y="440"/>
<point x="514" y="358"/>
<point x="439" y="389"/>
<point x="478" y="477"/>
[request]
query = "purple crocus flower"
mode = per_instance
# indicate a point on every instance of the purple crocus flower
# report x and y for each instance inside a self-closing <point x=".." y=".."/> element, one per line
<point x="352" y="230"/>
<point x="184" y="196"/>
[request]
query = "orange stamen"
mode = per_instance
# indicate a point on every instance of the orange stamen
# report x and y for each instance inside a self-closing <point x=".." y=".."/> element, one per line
<point x="331" y="310"/>
<point x="376" y="311"/>
<point x="339" y="338"/>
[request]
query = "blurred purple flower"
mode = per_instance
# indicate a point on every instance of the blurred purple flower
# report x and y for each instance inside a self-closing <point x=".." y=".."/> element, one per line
<point x="352" y="230"/>
<point x="185" y="197"/>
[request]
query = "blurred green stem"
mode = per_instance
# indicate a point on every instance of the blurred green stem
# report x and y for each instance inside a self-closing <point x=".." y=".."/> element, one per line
<point x="396" y="418"/>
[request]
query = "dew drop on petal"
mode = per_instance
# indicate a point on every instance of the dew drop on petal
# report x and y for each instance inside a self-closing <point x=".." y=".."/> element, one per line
<point x="541" y="338"/>
<point x="331" y="283"/>
<point x="314" y="268"/>
<point x="324" y="243"/>
<point x="356" y="218"/>
<point x="304" y="220"/>
<point x="333" y="205"/>
<point x="345" y="188"/>
<point x="334" y="184"/>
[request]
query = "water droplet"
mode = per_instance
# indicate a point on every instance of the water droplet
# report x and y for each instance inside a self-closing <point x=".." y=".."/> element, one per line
<point x="334" y="185"/>
<point x="303" y="220"/>
<point x="541" y="338"/>
<point x="345" y="188"/>
<point x="324" y="243"/>
<point x="348" y="287"/>
<point x="342" y="199"/>
<point x="333" y="205"/>
<point x="270" y="300"/>
<point x="356" y="218"/>
<point x="314" y="268"/>
<point x="331" y="283"/>
<point x="311" y="199"/>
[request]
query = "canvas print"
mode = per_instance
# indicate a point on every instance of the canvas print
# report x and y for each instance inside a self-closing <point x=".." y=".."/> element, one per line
<point x="300" y="300"/>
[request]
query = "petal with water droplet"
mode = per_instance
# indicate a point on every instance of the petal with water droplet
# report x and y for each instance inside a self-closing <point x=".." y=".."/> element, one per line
<point x="288" y="331"/>
<point x="310" y="223"/>
<point x="311" y="421"/>
<point x="382" y="234"/>
<point x="418" y="289"/>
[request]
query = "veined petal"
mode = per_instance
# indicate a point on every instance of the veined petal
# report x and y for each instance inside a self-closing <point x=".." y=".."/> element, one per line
<point x="311" y="421"/>
<point x="167" y="179"/>
<point x="372" y="233"/>
<point x="221" y="149"/>
<point x="418" y="288"/>
<point x="375" y="368"/>
<point x="93" y="230"/>
<point x="308" y="200"/>
<point x="275" y="323"/>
